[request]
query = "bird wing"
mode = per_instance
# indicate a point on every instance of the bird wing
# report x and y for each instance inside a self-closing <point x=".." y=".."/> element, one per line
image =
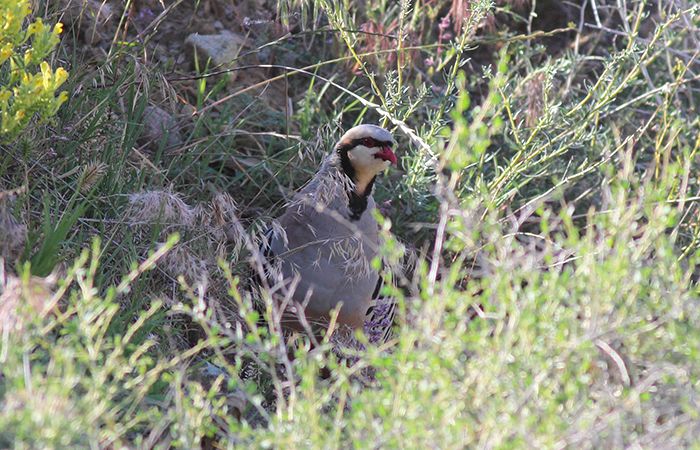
<point x="331" y="256"/>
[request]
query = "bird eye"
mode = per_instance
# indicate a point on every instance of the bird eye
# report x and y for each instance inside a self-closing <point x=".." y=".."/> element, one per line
<point x="368" y="142"/>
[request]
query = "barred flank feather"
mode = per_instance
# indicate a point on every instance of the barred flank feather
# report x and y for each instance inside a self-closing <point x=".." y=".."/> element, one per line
<point x="380" y="320"/>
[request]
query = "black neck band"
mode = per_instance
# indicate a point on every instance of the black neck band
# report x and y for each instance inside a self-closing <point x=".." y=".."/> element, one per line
<point x="357" y="203"/>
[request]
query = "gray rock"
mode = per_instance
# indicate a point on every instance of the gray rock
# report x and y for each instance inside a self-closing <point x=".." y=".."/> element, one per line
<point x="158" y="125"/>
<point x="216" y="49"/>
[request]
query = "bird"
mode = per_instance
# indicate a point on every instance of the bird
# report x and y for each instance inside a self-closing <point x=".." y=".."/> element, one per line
<point x="319" y="251"/>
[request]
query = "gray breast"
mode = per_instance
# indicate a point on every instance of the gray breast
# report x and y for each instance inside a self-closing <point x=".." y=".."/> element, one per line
<point x="329" y="255"/>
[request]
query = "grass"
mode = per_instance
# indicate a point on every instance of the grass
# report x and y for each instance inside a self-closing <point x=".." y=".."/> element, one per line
<point x="547" y="192"/>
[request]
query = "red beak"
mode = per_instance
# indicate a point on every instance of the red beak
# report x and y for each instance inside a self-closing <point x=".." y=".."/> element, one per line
<point x="387" y="155"/>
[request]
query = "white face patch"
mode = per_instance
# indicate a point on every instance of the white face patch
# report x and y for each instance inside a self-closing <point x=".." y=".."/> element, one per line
<point x="366" y="165"/>
<point x="367" y="149"/>
<point x="365" y="162"/>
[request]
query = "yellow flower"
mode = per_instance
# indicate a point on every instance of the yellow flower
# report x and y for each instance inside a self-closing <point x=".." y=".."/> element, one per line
<point x="5" y="52"/>
<point x="28" y="56"/>
<point x="36" y="27"/>
<point x="25" y="9"/>
<point x="61" y="76"/>
<point x="46" y="74"/>
<point x="27" y="92"/>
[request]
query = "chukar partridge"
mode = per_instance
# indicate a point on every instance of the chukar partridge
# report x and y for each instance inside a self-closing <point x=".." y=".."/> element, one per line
<point x="323" y="244"/>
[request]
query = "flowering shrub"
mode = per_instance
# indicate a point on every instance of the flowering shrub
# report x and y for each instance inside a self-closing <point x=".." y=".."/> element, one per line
<point x="29" y="86"/>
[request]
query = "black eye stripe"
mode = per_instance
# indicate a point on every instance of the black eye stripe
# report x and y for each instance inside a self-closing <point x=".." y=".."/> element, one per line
<point x="371" y="143"/>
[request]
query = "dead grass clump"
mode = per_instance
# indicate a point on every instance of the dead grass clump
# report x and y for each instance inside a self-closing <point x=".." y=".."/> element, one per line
<point x="210" y="231"/>
<point x="163" y="207"/>
<point x="22" y="299"/>
<point x="224" y="226"/>
<point x="183" y="261"/>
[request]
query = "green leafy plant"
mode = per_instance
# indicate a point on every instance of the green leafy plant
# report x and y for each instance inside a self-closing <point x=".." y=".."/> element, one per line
<point x="30" y="84"/>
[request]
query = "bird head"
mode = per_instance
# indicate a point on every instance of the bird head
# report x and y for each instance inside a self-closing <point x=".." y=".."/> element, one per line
<point x="364" y="152"/>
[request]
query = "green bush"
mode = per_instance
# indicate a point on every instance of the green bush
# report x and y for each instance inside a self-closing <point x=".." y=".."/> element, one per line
<point x="24" y="90"/>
